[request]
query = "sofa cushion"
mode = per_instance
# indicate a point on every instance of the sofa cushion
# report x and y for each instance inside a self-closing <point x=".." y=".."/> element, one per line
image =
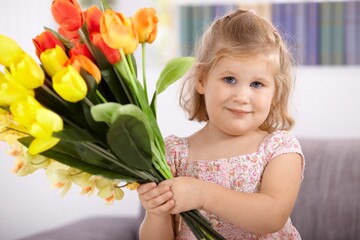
<point x="96" y="228"/>
<point x="328" y="206"/>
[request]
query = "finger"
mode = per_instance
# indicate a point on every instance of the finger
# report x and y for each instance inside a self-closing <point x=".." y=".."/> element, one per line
<point x="166" y="207"/>
<point x="155" y="192"/>
<point x="143" y="188"/>
<point x="160" y="200"/>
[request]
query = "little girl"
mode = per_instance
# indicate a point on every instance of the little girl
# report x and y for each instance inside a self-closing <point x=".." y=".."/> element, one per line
<point x="243" y="169"/>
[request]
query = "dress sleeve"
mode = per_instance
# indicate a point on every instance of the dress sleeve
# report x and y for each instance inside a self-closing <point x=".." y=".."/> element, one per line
<point x="285" y="142"/>
<point x="171" y="153"/>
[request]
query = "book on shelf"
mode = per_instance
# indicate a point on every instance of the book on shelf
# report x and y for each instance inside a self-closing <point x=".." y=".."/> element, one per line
<point x="300" y="33"/>
<point x="326" y="41"/>
<point x="312" y="33"/>
<point x="318" y="33"/>
<point x="351" y="29"/>
<point x="337" y="31"/>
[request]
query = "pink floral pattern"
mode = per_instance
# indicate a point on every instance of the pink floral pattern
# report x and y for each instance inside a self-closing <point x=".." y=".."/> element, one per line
<point x="241" y="173"/>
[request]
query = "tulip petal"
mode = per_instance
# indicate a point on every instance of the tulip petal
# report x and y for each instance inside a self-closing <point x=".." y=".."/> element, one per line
<point x="9" y="51"/>
<point x="69" y="84"/>
<point x="68" y="14"/>
<point x="40" y="145"/>
<point x="27" y="72"/>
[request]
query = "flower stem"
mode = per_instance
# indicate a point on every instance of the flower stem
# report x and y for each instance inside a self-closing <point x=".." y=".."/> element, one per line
<point x="102" y="152"/>
<point x="132" y="80"/>
<point x="88" y="102"/>
<point x="143" y="69"/>
<point x="101" y="96"/>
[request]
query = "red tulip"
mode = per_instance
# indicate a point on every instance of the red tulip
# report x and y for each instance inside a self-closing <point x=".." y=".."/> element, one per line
<point x="46" y="40"/>
<point x="111" y="54"/>
<point x="72" y="36"/>
<point x="81" y="49"/>
<point x="92" y="19"/>
<point x="68" y="14"/>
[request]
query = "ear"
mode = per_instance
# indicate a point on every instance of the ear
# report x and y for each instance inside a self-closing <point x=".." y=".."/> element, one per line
<point x="200" y="86"/>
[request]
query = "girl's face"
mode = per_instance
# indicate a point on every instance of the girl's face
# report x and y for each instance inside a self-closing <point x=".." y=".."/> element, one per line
<point x="238" y="94"/>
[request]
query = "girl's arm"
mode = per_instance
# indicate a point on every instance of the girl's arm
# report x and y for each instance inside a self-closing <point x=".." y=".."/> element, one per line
<point x="158" y="222"/>
<point x="263" y="212"/>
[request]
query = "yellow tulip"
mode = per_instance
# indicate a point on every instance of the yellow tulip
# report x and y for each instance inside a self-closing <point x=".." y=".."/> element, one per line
<point x="46" y="123"/>
<point x="9" y="50"/>
<point x="24" y="111"/>
<point x="115" y="29"/>
<point x="27" y="72"/>
<point x="39" y="145"/>
<point x="69" y="84"/>
<point x="53" y="60"/>
<point x="145" y="23"/>
<point x="39" y="122"/>
<point x="11" y="91"/>
<point x="134" y="39"/>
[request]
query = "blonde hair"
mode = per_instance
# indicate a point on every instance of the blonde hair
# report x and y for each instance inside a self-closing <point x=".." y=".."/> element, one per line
<point x="241" y="34"/>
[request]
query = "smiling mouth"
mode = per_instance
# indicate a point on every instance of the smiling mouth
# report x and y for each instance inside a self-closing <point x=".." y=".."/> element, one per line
<point x="237" y="112"/>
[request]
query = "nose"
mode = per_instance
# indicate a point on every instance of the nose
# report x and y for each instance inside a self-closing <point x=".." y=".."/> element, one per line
<point x="242" y="95"/>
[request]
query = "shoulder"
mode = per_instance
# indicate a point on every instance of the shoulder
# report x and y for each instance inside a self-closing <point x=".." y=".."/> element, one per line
<point x="284" y="142"/>
<point x="175" y="144"/>
<point x="281" y="142"/>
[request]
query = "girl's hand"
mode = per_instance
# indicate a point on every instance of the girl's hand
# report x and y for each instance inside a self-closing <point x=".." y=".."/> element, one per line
<point x="187" y="193"/>
<point x="156" y="199"/>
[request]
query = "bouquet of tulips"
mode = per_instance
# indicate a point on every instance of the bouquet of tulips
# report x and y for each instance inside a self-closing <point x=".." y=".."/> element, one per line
<point x="82" y="114"/>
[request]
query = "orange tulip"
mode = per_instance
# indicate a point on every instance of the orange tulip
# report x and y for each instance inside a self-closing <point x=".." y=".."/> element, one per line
<point x="111" y="54"/>
<point x="115" y="29"/>
<point x="81" y="61"/>
<point x="46" y="40"/>
<point x="68" y="14"/>
<point x="92" y="19"/>
<point x="145" y="23"/>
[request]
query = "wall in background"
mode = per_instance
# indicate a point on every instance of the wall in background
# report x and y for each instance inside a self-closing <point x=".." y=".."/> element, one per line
<point x="326" y="105"/>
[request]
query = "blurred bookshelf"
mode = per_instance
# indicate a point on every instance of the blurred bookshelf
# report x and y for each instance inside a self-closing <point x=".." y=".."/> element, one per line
<point x="319" y="33"/>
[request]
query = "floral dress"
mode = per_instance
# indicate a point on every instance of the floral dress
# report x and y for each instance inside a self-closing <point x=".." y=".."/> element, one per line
<point x="241" y="173"/>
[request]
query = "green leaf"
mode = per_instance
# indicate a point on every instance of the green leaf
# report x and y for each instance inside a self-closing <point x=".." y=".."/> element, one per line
<point x="130" y="137"/>
<point x="75" y="135"/>
<point x="67" y="153"/>
<point x="91" y="85"/>
<point x="98" y="129"/>
<point x="173" y="71"/>
<point x="104" y="112"/>
<point x="113" y="84"/>
<point x="104" y="5"/>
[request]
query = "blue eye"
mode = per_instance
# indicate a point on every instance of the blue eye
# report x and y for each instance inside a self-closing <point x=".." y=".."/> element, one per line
<point x="230" y="80"/>
<point x="256" y="84"/>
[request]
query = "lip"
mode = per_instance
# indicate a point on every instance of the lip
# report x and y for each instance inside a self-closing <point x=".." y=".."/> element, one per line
<point x="238" y="112"/>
